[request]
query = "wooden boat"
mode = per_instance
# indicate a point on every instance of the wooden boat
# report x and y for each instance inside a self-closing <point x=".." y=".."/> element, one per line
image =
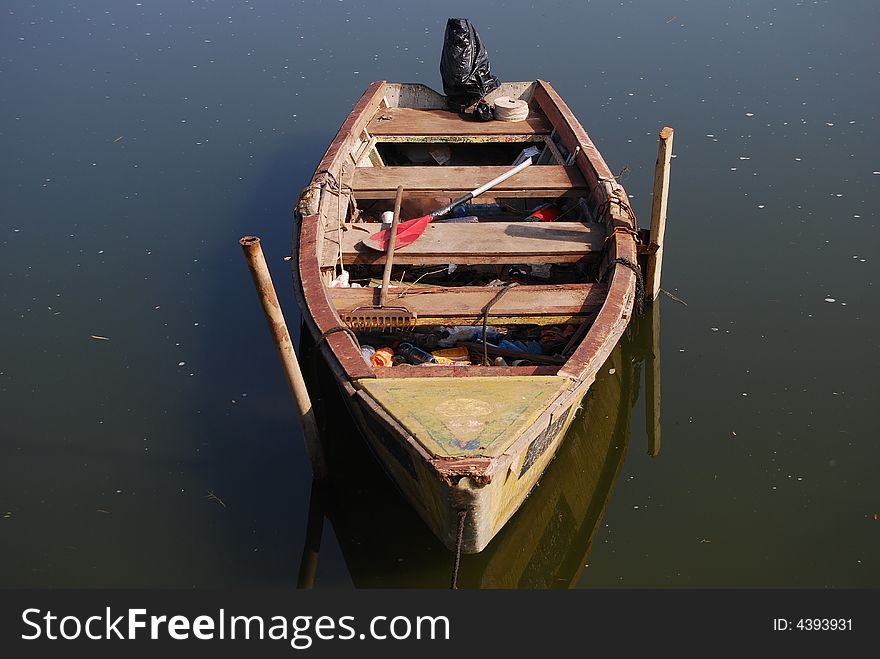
<point x="465" y="444"/>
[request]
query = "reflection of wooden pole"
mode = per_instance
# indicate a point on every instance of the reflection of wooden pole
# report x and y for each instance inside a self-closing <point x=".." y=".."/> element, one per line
<point x="652" y="384"/>
<point x="266" y="292"/>
<point x="308" y="565"/>
<point x="658" y="213"/>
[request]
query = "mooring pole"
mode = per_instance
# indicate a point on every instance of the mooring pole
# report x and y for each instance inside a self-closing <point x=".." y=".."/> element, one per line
<point x="658" y="213"/>
<point x="269" y="299"/>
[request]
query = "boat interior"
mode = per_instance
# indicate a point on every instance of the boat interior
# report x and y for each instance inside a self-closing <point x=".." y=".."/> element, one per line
<point x="540" y="234"/>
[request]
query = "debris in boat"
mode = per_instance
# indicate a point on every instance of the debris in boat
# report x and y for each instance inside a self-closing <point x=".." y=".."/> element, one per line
<point x="342" y="281"/>
<point x="529" y="152"/>
<point x="542" y="270"/>
<point x="511" y="109"/>
<point x="415" y="355"/>
<point x="382" y="357"/>
<point x="544" y="213"/>
<point x="441" y="153"/>
<point x="461" y="334"/>
<point x="458" y="356"/>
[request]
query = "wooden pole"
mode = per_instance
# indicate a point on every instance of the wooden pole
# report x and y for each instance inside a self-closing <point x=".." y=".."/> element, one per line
<point x="658" y="213"/>
<point x="266" y="292"/>
<point x="389" y="251"/>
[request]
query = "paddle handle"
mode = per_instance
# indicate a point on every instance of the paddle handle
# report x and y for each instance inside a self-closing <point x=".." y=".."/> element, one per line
<point x="486" y="186"/>
<point x="389" y="251"/>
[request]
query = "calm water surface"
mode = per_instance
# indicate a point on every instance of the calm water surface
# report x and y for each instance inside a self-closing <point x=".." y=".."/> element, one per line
<point x="148" y="438"/>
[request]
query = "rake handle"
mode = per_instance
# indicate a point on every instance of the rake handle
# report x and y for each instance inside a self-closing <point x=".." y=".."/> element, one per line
<point x="389" y="251"/>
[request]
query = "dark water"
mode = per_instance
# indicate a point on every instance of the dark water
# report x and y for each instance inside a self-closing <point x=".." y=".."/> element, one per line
<point x="140" y="140"/>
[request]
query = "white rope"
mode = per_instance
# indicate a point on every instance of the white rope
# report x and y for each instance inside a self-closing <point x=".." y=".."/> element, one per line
<point x="511" y="109"/>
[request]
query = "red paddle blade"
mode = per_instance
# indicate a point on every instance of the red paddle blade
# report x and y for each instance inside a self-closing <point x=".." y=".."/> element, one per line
<point x="407" y="232"/>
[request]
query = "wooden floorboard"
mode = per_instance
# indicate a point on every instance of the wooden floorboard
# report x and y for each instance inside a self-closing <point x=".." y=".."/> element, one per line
<point x="411" y="121"/>
<point x="467" y="302"/>
<point x="483" y="242"/>
<point x="535" y="181"/>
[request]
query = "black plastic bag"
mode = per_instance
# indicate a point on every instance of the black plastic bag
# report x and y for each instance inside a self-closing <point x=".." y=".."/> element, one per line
<point x="464" y="65"/>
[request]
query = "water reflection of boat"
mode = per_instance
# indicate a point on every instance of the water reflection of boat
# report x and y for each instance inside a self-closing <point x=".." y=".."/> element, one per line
<point x="545" y="544"/>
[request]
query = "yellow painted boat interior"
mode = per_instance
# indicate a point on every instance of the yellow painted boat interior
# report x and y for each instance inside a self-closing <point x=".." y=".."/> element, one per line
<point x="470" y="417"/>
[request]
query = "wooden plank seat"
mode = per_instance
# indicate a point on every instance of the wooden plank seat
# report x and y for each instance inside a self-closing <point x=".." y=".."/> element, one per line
<point x="463" y="305"/>
<point x="413" y="121"/>
<point x="476" y="243"/>
<point x="536" y="181"/>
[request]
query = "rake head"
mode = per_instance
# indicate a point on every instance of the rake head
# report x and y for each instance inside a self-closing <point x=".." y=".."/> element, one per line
<point x="380" y="318"/>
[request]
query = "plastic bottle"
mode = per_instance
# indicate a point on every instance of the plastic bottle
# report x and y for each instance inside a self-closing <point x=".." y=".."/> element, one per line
<point x="415" y="355"/>
<point x="459" y="333"/>
<point x="368" y="352"/>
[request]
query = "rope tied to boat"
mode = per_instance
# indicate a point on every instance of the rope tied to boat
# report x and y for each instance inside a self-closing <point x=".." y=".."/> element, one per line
<point x="640" y="284"/>
<point x="485" y="312"/>
<point x="324" y="178"/>
<point x="334" y="330"/>
<point x="603" y="210"/>
<point x="462" y="514"/>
